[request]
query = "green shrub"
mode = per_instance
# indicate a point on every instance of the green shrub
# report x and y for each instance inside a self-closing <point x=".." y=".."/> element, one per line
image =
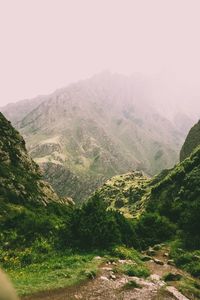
<point x="132" y="284"/>
<point x="135" y="270"/>
<point x="152" y="229"/>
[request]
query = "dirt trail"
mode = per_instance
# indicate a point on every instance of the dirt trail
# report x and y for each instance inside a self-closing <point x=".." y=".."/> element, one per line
<point x="109" y="286"/>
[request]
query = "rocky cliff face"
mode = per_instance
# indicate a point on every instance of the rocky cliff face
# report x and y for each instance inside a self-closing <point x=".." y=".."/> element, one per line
<point x="191" y="142"/>
<point x="20" y="177"/>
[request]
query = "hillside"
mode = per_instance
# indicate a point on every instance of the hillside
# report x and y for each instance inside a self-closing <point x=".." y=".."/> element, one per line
<point x="29" y="207"/>
<point x="85" y="133"/>
<point x="41" y="237"/>
<point x="191" y="142"/>
<point x="20" y="177"/>
<point x="125" y="193"/>
<point x="173" y="194"/>
<point x="177" y="196"/>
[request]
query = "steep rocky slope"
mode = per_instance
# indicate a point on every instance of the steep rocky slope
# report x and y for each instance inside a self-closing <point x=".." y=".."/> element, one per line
<point x="30" y="210"/>
<point x="84" y="134"/>
<point x="191" y="142"/>
<point x="20" y="178"/>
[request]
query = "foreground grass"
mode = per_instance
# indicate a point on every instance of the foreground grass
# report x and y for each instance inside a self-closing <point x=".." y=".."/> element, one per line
<point x="59" y="270"/>
<point x="134" y="265"/>
<point x="63" y="269"/>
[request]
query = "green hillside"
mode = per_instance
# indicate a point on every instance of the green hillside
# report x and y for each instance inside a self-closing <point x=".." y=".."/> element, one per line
<point x="29" y="208"/>
<point x="173" y="194"/>
<point x="126" y="193"/>
<point x="191" y="142"/>
<point x="177" y="197"/>
<point x="45" y="243"/>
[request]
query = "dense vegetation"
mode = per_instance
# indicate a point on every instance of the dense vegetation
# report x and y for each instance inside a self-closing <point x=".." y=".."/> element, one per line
<point x="191" y="142"/>
<point x="177" y="197"/>
<point x="37" y="227"/>
<point x="168" y="205"/>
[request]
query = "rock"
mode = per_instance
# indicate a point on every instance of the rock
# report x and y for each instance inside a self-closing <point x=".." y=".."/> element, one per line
<point x="171" y="262"/>
<point x="146" y="258"/>
<point x="90" y="274"/>
<point x="158" y="261"/>
<point x="97" y="257"/>
<point x="78" y="296"/>
<point x="151" y="252"/>
<point x="172" y="277"/>
<point x="122" y="261"/>
<point x="104" y="278"/>
<point x="154" y="277"/>
<point x="157" y="247"/>
<point x="112" y="276"/>
<point x="107" y="269"/>
<point x="175" y="293"/>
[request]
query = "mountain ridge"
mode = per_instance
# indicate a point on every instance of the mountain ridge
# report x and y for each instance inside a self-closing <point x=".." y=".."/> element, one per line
<point x="96" y="128"/>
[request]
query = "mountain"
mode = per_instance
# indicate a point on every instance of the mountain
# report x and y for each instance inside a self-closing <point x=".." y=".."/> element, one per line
<point x="85" y="133"/>
<point x="17" y="111"/>
<point x="191" y="142"/>
<point x="30" y="210"/>
<point x="20" y="177"/>
<point x="172" y="198"/>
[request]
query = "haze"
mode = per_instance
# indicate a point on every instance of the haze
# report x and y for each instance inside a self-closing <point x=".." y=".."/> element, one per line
<point x="46" y="44"/>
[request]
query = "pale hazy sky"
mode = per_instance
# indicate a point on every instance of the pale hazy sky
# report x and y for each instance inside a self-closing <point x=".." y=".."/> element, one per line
<point x="46" y="44"/>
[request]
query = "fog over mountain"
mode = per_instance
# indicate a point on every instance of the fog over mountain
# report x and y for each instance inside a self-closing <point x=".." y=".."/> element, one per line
<point x="108" y="124"/>
<point x="95" y="126"/>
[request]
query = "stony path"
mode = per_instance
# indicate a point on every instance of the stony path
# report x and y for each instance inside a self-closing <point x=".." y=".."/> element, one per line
<point x="109" y="286"/>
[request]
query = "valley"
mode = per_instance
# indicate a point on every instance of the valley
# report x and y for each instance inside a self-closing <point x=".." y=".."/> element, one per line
<point x="136" y="235"/>
<point x="91" y="130"/>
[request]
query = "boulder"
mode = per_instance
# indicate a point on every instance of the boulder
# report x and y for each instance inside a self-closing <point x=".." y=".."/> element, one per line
<point x="158" y="261"/>
<point x="171" y="262"/>
<point x="157" y="247"/>
<point x="146" y="258"/>
<point x="151" y="252"/>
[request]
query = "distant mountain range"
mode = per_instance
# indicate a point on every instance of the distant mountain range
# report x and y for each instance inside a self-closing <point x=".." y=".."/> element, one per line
<point x="109" y="124"/>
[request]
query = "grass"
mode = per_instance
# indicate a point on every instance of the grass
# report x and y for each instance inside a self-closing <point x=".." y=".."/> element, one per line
<point x="189" y="287"/>
<point x="134" y="270"/>
<point x="60" y="270"/>
<point x="186" y="260"/>
<point x="51" y="270"/>
<point x="127" y="253"/>
<point x="131" y="285"/>
<point x="134" y="266"/>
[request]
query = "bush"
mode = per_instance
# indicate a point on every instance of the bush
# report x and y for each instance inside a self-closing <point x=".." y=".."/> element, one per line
<point x="152" y="229"/>
<point x="93" y="226"/>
